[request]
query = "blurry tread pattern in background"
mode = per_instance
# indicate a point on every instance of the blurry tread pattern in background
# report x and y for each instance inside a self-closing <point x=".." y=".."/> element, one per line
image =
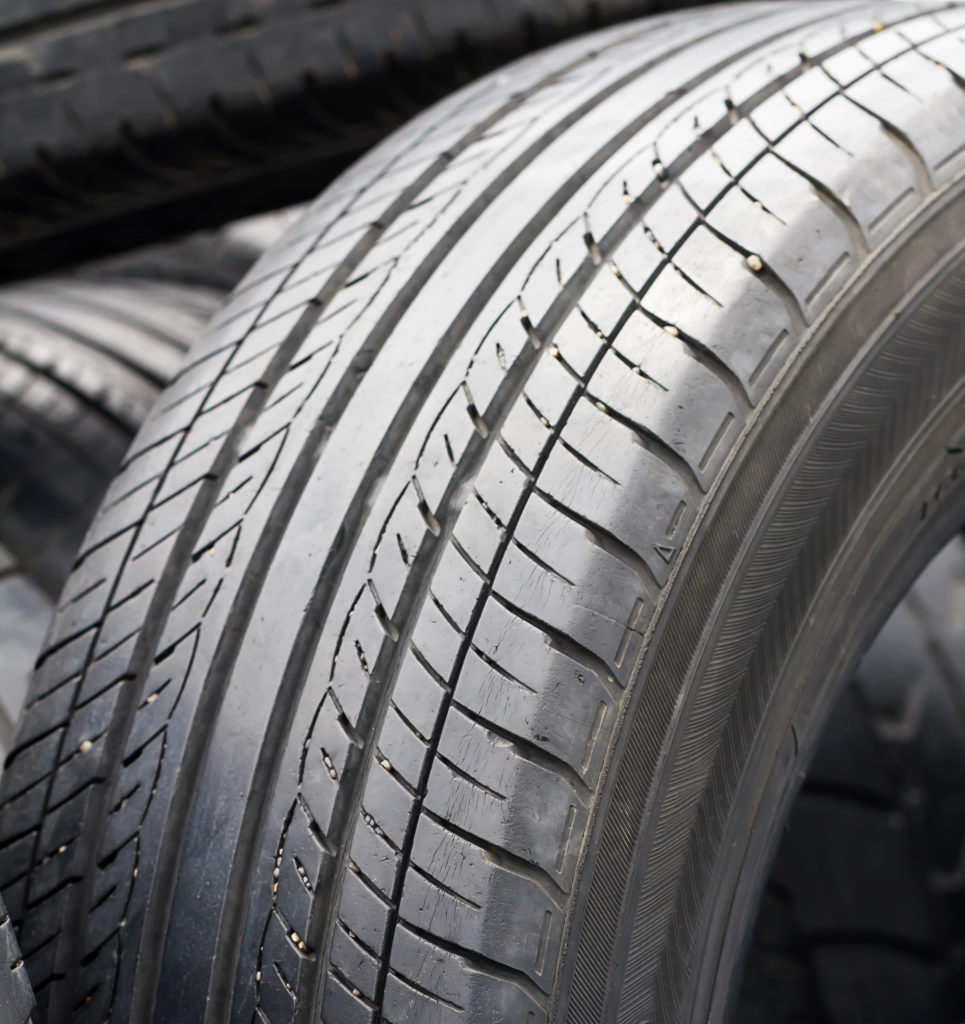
<point x="121" y="121"/>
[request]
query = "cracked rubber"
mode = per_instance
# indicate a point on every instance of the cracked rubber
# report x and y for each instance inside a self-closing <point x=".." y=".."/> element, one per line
<point x="459" y="625"/>
<point x="127" y="120"/>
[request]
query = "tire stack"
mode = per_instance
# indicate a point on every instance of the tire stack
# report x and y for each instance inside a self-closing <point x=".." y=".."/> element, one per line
<point x="525" y="583"/>
<point x="123" y="125"/>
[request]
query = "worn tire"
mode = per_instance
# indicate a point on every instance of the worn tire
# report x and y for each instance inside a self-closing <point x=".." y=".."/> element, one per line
<point x="462" y="618"/>
<point x="16" y="996"/>
<point x="82" y="360"/>
<point x="122" y="121"/>
<point x="81" y="363"/>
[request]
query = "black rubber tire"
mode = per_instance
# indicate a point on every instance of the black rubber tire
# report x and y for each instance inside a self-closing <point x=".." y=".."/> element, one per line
<point x="25" y="614"/>
<point x="208" y="259"/>
<point x="863" y="917"/>
<point x="16" y="996"/>
<point x="81" y="362"/>
<point x="462" y="618"/>
<point x="123" y="121"/>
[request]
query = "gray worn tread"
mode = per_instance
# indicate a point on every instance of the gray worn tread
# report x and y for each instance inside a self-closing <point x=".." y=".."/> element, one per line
<point x="82" y="359"/>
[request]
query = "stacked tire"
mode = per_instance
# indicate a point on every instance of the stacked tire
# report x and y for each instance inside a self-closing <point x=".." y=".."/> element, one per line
<point x="81" y="364"/>
<point x="463" y="622"/>
<point x="121" y="123"/>
<point x="82" y="361"/>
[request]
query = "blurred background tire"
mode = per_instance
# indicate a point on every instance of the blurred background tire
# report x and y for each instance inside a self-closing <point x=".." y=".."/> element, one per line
<point x="863" y="916"/>
<point x="121" y="122"/>
<point x="82" y="361"/>
<point x="81" y="364"/>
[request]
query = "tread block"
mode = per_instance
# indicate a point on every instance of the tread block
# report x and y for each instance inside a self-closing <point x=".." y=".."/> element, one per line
<point x="402" y="748"/>
<point x="376" y="858"/>
<point x="301" y="863"/>
<point x="743" y="323"/>
<point x="842" y="137"/>
<point x="360" y="910"/>
<point x="506" y="686"/>
<point x="327" y="755"/>
<point x="342" y="1005"/>
<point x="467" y="787"/>
<point x="280" y="962"/>
<point x="431" y="984"/>
<point x="644" y="400"/>
<point x="592" y="473"/>
<point x="909" y="84"/>
<point x="353" y="962"/>
<point x="387" y="802"/>
<point x="586" y="594"/>
<point x="466" y="899"/>
<point x="778" y="216"/>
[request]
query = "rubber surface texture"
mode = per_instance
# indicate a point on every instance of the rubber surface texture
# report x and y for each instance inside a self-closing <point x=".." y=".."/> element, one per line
<point x="81" y="364"/>
<point x="123" y="120"/>
<point x="82" y="360"/>
<point x="331" y="721"/>
<point x="864" y="913"/>
<point x="16" y="996"/>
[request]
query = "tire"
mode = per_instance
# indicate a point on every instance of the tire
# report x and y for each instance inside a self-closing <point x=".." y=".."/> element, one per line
<point x="81" y="363"/>
<point x="208" y="259"/>
<point x="122" y="122"/>
<point x="863" y="916"/>
<point x="455" y="633"/>
<point x="16" y="996"/>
